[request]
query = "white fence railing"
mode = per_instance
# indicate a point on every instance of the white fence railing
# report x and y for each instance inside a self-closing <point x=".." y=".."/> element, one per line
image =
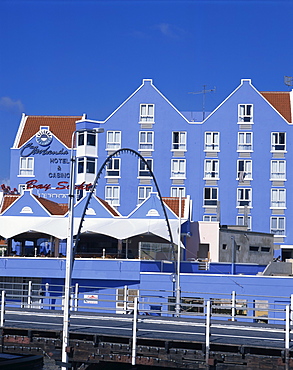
<point x="208" y="306"/>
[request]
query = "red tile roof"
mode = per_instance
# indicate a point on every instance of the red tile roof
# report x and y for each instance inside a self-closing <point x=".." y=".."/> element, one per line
<point x="109" y="207"/>
<point x="7" y="201"/>
<point x="61" y="126"/>
<point x="173" y="204"/>
<point x="280" y="100"/>
<point x="54" y="208"/>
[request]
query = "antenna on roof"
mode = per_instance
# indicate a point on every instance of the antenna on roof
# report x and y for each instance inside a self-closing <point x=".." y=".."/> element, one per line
<point x="288" y="81"/>
<point x="204" y="91"/>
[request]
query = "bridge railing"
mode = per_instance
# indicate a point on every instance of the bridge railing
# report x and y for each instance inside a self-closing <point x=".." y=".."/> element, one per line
<point x="224" y="306"/>
<point x="212" y="308"/>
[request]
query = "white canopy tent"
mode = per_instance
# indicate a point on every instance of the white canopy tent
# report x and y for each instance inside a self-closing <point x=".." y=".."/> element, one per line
<point x="118" y="228"/>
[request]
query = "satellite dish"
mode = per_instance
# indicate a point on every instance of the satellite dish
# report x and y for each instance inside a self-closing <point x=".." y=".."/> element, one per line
<point x="288" y="80"/>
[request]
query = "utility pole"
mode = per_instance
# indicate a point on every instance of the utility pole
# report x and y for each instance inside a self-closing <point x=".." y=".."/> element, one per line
<point x="204" y="91"/>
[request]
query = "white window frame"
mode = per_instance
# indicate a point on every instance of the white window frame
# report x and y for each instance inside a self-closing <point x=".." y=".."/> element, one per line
<point x="276" y="142"/>
<point x="211" y="169"/>
<point x="212" y="199"/>
<point x="112" y="194"/>
<point x="244" y="197"/>
<point x="245" y="145"/>
<point x="278" y="229"/>
<point x="240" y="221"/>
<point x="179" y="140"/>
<point x="143" y="171"/>
<point x="210" y="218"/>
<point x="85" y="135"/>
<point x="113" y="140"/>
<point x="147" y="113"/>
<point x="212" y="141"/>
<point x="176" y="190"/>
<point x="111" y="168"/>
<point x="88" y="161"/>
<point x="26" y="166"/>
<point x="146" y="140"/>
<point x="85" y="164"/>
<point x="278" y="169"/>
<point x="143" y="193"/>
<point x="246" y="172"/>
<point x="278" y="198"/>
<point x="178" y="168"/>
<point x="80" y="165"/>
<point x="245" y="113"/>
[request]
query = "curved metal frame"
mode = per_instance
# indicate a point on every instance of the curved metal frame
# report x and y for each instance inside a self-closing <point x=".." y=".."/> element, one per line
<point x="122" y="150"/>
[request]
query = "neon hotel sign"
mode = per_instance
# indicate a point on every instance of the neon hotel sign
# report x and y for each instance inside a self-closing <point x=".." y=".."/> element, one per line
<point x="61" y="185"/>
<point x="30" y="149"/>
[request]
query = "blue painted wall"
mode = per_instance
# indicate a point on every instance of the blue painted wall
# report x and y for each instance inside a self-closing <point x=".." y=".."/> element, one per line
<point x="167" y="119"/>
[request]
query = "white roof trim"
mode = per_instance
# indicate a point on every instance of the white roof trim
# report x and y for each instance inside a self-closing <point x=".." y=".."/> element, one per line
<point x="259" y="93"/>
<point x="143" y="83"/>
<point x="19" y="131"/>
<point x="228" y="97"/>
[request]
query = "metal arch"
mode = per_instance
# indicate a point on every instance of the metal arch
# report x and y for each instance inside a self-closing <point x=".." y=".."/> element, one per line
<point x="122" y="150"/>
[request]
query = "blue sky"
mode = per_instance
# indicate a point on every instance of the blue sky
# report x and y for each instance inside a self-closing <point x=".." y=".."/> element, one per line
<point x="75" y="57"/>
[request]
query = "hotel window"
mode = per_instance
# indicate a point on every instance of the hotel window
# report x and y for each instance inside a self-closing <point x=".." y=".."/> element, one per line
<point x="278" y="198"/>
<point x="178" y="168"/>
<point x="112" y="195"/>
<point x="240" y="221"/>
<point x="113" y="140"/>
<point x="146" y="140"/>
<point x="210" y="196"/>
<point x="244" y="141"/>
<point x="278" y="169"/>
<point x="211" y="169"/>
<point x="86" y="163"/>
<point x="26" y="166"/>
<point x="80" y="165"/>
<point x="89" y="136"/>
<point x="113" y="168"/>
<point x="143" y="193"/>
<point x="147" y="112"/>
<point x="278" y="141"/>
<point x="244" y="197"/>
<point x="90" y="165"/>
<point x="90" y="139"/>
<point x="244" y="169"/>
<point x="143" y="170"/>
<point x="176" y="191"/>
<point x="245" y="113"/>
<point x="278" y="225"/>
<point x="178" y="140"/>
<point x="212" y="141"/>
<point x="210" y="218"/>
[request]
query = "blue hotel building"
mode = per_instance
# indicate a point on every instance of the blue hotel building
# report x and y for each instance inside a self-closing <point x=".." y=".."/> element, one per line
<point x="235" y="164"/>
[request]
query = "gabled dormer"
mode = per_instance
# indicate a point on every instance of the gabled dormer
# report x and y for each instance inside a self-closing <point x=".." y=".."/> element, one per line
<point x="151" y="208"/>
<point x="98" y="208"/>
<point x="30" y="205"/>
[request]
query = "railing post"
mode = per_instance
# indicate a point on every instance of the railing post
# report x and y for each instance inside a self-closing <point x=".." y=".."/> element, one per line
<point x="287" y="337"/>
<point x="3" y="295"/>
<point x="233" y="305"/>
<point x="208" y="331"/>
<point x="125" y="299"/>
<point x="134" y="331"/>
<point x="76" y="297"/>
<point x="29" y="294"/>
<point x="291" y="308"/>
